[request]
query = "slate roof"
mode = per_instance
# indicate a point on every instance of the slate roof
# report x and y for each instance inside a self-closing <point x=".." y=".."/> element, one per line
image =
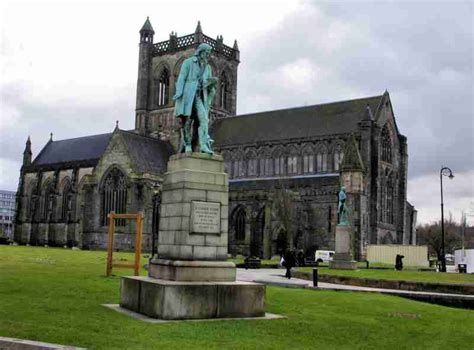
<point x="148" y="154"/>
<point x="294" y="123"/>
<point x="86" y="150"/>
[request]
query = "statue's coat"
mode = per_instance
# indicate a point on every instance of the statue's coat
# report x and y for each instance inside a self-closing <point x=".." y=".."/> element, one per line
<point x="187" y="85"/>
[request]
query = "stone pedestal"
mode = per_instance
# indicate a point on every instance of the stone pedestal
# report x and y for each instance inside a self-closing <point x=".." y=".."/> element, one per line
<point x="181" y="270"/>
<point x="342" y="258"/>
<point x="172" y="300"/>
<point x="190" y="278"/>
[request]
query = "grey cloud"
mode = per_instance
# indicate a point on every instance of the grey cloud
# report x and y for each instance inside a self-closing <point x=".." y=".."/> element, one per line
<point x="66" y="118"/>
<point x="421" y="52"/>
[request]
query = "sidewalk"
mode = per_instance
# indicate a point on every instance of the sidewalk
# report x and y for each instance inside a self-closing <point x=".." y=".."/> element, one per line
<point x="276" y="277"/>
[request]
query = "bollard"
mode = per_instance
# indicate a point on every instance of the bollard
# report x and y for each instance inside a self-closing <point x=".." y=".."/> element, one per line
<point x="315" y="277"/>
<point x="367" y="264"/>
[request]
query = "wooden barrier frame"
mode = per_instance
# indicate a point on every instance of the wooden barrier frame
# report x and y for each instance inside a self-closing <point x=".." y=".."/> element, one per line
<point x="138" y="241"/>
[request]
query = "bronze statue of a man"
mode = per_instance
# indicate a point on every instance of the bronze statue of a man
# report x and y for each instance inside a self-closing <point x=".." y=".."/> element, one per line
<point x="341" y="207"/>
<point x="195" y="91"/>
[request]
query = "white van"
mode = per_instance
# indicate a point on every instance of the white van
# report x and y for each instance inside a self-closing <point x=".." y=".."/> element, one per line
<point x="323" y="255"/>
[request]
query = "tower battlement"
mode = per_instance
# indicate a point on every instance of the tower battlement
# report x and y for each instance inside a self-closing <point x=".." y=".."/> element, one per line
<point x="185" y="42"/>
<point x="158" y="68"/>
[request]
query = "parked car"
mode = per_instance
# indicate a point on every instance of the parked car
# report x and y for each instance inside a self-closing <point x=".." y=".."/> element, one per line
<point x="323" y="256"/>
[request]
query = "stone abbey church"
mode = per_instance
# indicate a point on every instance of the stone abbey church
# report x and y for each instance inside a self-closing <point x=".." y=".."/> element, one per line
<point x="303" y="153"/>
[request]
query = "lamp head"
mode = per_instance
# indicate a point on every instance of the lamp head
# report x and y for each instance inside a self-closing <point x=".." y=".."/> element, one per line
<point x="451" y="176"/>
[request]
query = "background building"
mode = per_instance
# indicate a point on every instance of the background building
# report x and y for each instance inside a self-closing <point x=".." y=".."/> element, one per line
<point x="285" y="166"/>
<point x="7" y="213"/>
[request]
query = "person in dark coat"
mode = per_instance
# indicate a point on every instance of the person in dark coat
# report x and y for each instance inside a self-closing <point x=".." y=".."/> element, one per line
<point x="399" y="262"/>
<point x="300" y="258"/>
<point x="290" y="262"/>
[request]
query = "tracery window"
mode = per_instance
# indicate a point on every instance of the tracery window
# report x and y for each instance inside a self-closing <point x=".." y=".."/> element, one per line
<point x="261" y="167"/>
<point x="31" y="199"/>
<point x="390" y="200"/>
<point x="322" y="161"/>
<point x="162" y="88"/>
<point x="239" y="223"/>
<point x="224" y="92"/>
<point x="308" y="160"/>
<point x="252" y="169"/>
<point x="279" y="168"/>
<point x="386" y="145"/>
<point x="338" y="155"/>
<point x="66" y="201"/>
<point x="292" y="161"/>
<point x="268" y="166"/>
<point x="387" y="198"/>
<point x="48" y="199"/>
<point x="292" y="164"/>
<point x="114" y="195"/>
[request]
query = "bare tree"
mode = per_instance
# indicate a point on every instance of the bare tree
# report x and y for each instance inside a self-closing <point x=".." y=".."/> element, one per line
<point x="430" y="234"/>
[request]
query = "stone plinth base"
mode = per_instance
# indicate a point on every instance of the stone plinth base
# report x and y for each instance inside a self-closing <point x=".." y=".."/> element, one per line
<point x="173" y="300"/>
<point x="343" y="264"/>
<point x="192" y="271"/>
<point x="343" y="257"/>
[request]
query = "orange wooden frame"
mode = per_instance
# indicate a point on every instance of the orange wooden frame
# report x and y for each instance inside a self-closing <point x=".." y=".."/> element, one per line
<point x="138" y="242"/>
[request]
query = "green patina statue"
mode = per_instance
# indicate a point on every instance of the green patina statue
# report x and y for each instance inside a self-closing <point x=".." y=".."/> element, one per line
<point x="342" y="209"/>
<point x="195" y="91"/>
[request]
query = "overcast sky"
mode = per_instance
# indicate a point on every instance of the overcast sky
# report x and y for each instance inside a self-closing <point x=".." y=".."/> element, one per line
<point x="71" y="69"/>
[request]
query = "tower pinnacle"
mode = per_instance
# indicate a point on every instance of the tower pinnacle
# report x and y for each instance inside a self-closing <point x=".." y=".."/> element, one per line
<point x="147" y="27"/>
<point x="198" y="28"/>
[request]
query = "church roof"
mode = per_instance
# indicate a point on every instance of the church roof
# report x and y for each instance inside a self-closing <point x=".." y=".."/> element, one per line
<point x="147" y="154"/>
<point x="294" y="123"/>
<point x="86" y="150"/>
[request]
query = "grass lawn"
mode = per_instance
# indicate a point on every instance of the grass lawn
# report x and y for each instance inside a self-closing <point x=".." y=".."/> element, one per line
<point x="405" y="275"/>
<point x="54" y="295"/>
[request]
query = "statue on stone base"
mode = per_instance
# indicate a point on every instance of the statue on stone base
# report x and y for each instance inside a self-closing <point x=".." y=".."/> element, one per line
<point x="342" y="209"/>
<point x="195" y="91"/>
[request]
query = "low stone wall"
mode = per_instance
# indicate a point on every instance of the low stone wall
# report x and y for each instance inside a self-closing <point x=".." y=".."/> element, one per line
<point x="391" y="284"/>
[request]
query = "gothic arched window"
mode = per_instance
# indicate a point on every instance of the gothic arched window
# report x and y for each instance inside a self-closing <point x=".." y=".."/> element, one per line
<point x="240" y="165"/>
<point x="390" y="200"/>
<point x="252" y="169"/>
<point x="114" y="195"/>
<point x="162" y="88"/>
<point x="322" y="160"/>
<point x="239" y="223"/>
<point x="66" y="201"/>
<point x="279" y="161"/>
<point x="308" y="160"/>
<point x="224" y="92"/>
<point x="386" y="145"/>
<point x="338" y="155"/>
<point x="293" y="160"/>
<point x="48" y="201"/>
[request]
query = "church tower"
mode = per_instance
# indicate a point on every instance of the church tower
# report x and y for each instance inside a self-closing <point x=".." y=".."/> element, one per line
<point x="158" y="70"/>
<point x="144" y="65"/>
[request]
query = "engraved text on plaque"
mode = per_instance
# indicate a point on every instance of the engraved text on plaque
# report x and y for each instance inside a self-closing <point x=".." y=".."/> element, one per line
<point x="205" y="217"/>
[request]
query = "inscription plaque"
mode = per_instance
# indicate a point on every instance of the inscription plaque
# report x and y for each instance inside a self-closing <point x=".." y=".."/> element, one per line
<point x="205" y="217"/>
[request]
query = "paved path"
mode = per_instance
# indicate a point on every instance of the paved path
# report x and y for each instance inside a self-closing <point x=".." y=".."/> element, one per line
<point x="277" y="277"/>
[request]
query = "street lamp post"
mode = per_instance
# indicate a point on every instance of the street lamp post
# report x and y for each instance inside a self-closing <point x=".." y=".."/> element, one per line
<point x="445" y="171"/>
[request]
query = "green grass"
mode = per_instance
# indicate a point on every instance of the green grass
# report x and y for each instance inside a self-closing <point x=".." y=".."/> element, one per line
<point x="405" y="275"/>
<point x="55" y="295"/>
